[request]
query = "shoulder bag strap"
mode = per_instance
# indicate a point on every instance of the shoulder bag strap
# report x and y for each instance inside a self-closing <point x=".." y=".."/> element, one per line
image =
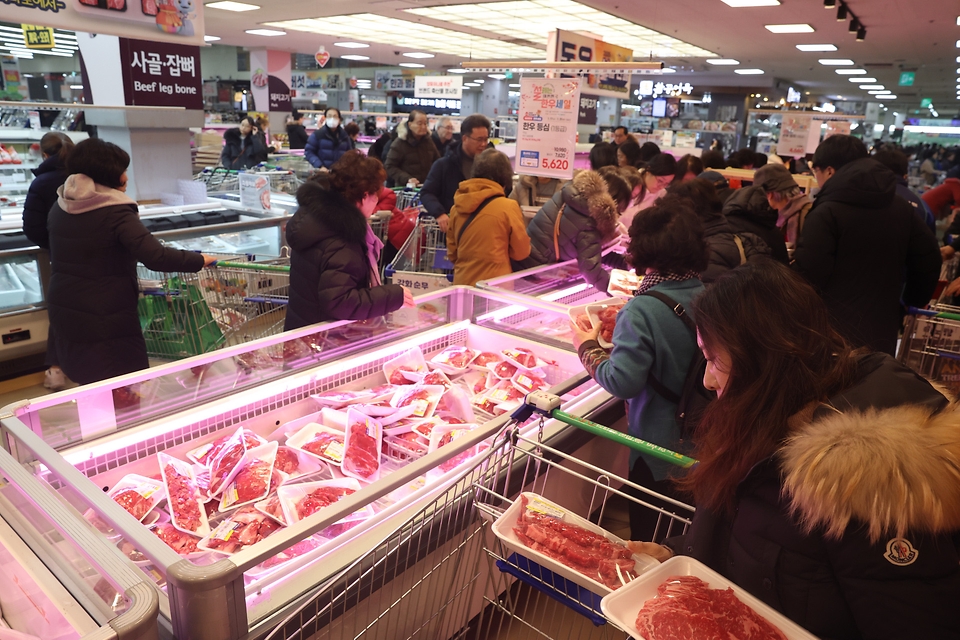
<point x="474" y="215"/>
<point x="681" y="313"/>
<point x="556" y="232"/>
<point x="743" y="254"/>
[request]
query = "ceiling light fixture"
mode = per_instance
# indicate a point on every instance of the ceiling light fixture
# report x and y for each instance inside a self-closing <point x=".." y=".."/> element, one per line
<point x="420" y="55"/>
<point x="269" y="33"/>
<point x="739" y="4"/>
<point x="842" y="13"/>
<point x="829" y="4"/>
<point x="788" y="28"/>
<point x="877" y="93"/>
<point x="854" y="26"/>
<point x="412" y="65"/>
<point x="748" y="72"/>
<point x="863" y="80"/>
<point x="229" y="5"/>
<point x="871" y="86"/>
<point x="354" y="56"/>
<point x="351" y="45"/>
<point x="668" y="70"/>
<point x="210" y="38"/>
<point x="480" y="80"/>
<point x="816" y="47"/>
<point x="723" y="61"/>
<point x="851" y="72"/>
<point x="515" y="86"/>
<point x="497" y="76"/>
<point x="456" y="70"/>
<point x="836" y="62"/>
<point x="861" y="34"/>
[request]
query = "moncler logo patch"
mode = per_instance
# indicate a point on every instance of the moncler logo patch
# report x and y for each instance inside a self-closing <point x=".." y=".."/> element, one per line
<point x="900" y="552"/>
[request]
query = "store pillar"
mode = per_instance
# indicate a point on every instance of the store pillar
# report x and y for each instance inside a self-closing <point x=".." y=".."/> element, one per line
<point x="496" y="98"/>
<point x="270" y="83"/>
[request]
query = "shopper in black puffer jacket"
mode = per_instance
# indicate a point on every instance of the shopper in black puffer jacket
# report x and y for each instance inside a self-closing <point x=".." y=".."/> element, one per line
<point x="726" y="249"/>
<point x="42" y="194"/>
<point x="245" y="146"/>
<point x="412" y="154"/>
<point x="747" y="211"/>
<point x="588" y="214"/>
<point x="329" y="142"/>
<point x="96" y="241"/>
<point x="333" y="265"/>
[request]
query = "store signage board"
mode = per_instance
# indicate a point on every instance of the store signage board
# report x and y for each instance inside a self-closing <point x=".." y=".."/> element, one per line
<point x="254" y="192"/>
<point x="547" y="127"/>
<point x="328" y="80"/>
<point x="907" y="78"/>
<point x="794" y="133"/>
<point x="926" y="102"/>
<point x="270" y="79"/>
<point x="835" y="127"/>
<point x="568" y="46"/>
<point x="37" y="37"/>
<point x="179" y="21"/>
<point x="438" y="87"/>
<point x="34" y="117"/>
<point x="160" y="74"/>
<point x="588" y="110"/>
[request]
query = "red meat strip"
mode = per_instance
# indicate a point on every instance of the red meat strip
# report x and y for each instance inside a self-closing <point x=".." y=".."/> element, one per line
<point x="133" y="502"/>
<point x="252" y="481"/>
<point x="320" y="498"/>
<point x="686" y="607"/>
<point x="247" y="526"/>
<point x="182" y="543"/>
<point x="287" y="460"/>
<point x="362" y="457"/>
<point x="319" y="445"/>
<point x="458" y="357"/>
<point x="397" y="376"/>
<point x="437" y="378"/>
<point x="413" y="396"/>
<point x="583" y="322"/>
<point x="182" y="495"/>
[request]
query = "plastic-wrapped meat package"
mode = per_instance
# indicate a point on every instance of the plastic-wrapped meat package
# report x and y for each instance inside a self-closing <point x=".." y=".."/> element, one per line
<point x="252" y="482"/>
<point x="272" y="507"/>
<point x="454" y="359"/>
<point x="287" y="460"/>
<point x="226" y="462"/>
<point x="686" y="607"/>
<point x="522" y="357"/>
<point x="245" y="527"/>
<point x="361" y="458"/>
<point x="527" y="381"/>
<point x="320" y="498"/>
<point x="182" y="543"/>
<point x="184" y="499"/>
<point x="442" y="436"/>
<point x="205" y="453"/>
<point x="300" y="548"/>
<point x="437" y="378"/>
<point x="406" y="368"/>
<point x="325" y="443"/>
<point x="583" y="322"/>
<point x="299" y="501"/>
<point x="455" y="403"/>
<point x="503" y="369"/>
<point x="137" y="494"/>
<point x="423" y="399"/>
<point x="408" y="441"/>
<point x="339" y="399"/>
<point x="484" y="359"/>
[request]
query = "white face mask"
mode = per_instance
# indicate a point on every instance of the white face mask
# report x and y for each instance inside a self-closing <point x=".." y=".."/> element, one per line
<point x="333" y="123"/>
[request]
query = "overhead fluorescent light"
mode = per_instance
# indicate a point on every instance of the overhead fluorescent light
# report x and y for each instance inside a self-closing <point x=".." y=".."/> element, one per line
<point x="836" y="62"/>
<point x="723" y="61"/>
<point x="517" y="86"/>
<point x="456" y="70"/>
<point x="876" y="92"/>
<point x="788" y="28"/>
<point x="412" y="65"/>
<point x="543" y="60"/>
<point x="76" y="86"/>
<point x="270" y="33"/>
<point x="497" y="76"/>
<point x="210" y="38"/>
<point x="871" y="86"/>
<point x="888" y="97"/>
<point x="749" y="72"/>
<point x="817" y="47"/>
<point x="738" y="4"/>
<point x="470" y="84"/>
<point x="861" y="79"/>
<point x="351" y="45"/>
<point x="480" y="80"/>
<point x="229" y="5"/>
<point x="354" y="56"/>
<point x="851" y="72"/>
<point x="419" y="55"/>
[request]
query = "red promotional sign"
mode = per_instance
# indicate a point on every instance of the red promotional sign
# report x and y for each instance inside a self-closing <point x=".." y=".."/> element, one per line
<point x="159" y="74"/>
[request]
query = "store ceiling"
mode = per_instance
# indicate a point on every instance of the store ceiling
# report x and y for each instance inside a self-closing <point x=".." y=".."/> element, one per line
<point x="901" y="35"/>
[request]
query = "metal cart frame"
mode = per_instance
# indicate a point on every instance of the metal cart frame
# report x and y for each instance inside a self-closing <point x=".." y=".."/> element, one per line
<point x="421" y="264"/>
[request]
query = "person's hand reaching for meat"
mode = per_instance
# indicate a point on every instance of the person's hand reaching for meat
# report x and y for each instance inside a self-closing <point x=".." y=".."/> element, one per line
<point x="580" y="335"/>
<point x="408" y="301"/>
<point x="658" y="552"/>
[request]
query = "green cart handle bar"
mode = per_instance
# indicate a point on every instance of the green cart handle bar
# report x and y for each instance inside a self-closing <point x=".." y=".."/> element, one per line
<point x="252" y="266"/>
<point x="548" y="405"/>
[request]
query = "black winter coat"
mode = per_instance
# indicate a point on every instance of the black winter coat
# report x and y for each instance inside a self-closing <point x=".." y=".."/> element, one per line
<point x="747" y="211"/>
<point x="329" y="268"/>
<point x="841" y="474"/>
<point x="93" y="287"/>
<point x="243" y="153"/>
<point x="724" y="254"/>
<point x="41" y="196"/>
<point x="442" y="183"/>
<point x="589" y="220"/>
<point x="409" y="157"/>
<point x="326" y="146"/>
<point x="297" y="136"/>
<point x="863" y="246"/>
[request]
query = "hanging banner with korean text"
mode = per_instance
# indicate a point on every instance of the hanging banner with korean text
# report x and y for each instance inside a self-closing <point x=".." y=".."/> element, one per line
<point x="567" y="46"/>
<point x="270" y="79"/>
<point x="438" y="87"/>
<point x="178" y="21"/>
<point x="793" y="136"/>
<point x="159" y="74"/>
<point x="547" y="126"/>
<point x="837" y="126"/>
<point x="587" y="114"/>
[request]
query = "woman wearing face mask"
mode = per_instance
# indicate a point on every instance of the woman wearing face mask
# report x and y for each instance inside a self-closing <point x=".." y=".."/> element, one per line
<point x="655" y="178"/>
<point x="827" y="476"/>
<point x="328" y="143"/>
<point x="333" y="263"/>
<point x="413" y="153"/>
<point x="486" y="227"/>
<point x="245" y="146"/>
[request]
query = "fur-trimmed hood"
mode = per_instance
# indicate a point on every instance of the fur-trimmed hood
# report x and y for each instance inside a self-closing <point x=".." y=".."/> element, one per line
<point x="324" y="213"/>
<point x="897" y="470"/>
<point x="587" y="193"/>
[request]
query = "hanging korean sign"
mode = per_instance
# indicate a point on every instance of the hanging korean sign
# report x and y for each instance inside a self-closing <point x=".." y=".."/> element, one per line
<point x="567" y="46"/>
<point x="438" y="87"/>
<point x="37" y="37"/>
<point x="547" y="128"/>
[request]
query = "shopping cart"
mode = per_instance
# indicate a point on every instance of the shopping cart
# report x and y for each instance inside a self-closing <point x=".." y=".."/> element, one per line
<point x="443" y="574"/>
<point x="931" y="344"/>
<point x="407" y="197"/>
<point x="248" y="299"/>
<point x="421" y="264"/>
<point x="219" y="179"/>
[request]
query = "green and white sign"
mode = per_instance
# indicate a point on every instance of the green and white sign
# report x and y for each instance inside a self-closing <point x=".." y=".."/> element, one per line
<point x="906" y="78"/>
<point x="926" y="102"/>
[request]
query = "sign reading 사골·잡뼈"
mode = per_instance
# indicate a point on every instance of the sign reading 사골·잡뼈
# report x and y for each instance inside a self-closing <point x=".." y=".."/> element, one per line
<point x="158" y="74"/>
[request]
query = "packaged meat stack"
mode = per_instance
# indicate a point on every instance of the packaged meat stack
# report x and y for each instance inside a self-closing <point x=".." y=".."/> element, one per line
<point x="437" y="378"/>
<point x="272" y="507"/>
<point x="408" y="367"/>
<point x="183" y="543"/>
<point x="454" y="360"/>
<point x="321" y="442"/>
<point x="455" y="403"/>
<point x="364" y="437"/>
<point x="339" y="399"/>
<point x="300" y="501"/>
<point x="528" y="381"/>
<point x="475" y="381"/>
<point x="568" y="545"/>
<point x="205" y="453"/>
<point x="484" y="359"/>
<point x="623" y="284"/>
<point x="295" y="464"/>
<point x="137" y="494"/>
<point x="523" y="358"/>
<point x="444" y="435"/>
<point x="503" y="398"/>
<point x="424" y="399"/>
<point x="243" y="528"/>
<point x="503" y="370"/>
<point x="405" y="446"/>
<point x="226" y="463"/>
<point x="252" y="482"/>
<point x="184" y="499"/>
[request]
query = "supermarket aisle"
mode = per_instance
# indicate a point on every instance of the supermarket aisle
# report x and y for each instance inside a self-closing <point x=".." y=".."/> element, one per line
<point x="22" y="388"/>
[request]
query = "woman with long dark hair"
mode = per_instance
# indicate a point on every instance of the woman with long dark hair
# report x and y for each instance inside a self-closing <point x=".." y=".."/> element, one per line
<point x="828" y="482"/>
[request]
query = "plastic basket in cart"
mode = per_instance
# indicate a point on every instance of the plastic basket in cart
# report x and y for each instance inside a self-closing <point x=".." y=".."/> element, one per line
<point x="622" y="606"/>
<point x="178" y="325"/>
<point x="566" y="592"/>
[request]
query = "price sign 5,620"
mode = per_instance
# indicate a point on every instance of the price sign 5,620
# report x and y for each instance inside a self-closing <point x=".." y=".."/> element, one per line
<point x="554" y="163"/>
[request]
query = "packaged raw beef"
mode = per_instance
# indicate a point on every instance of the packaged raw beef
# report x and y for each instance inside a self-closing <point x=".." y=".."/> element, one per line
<point x="361" y="458"/>
<point x="454" y="359"/>
<point x="226" y="462"/>
<point x="503" y="370"/>
<point x="184" y="499"/>
<point x="182" y="543"/>
<point x="295" y="551"/>
<point x="455" y="403"/>
<point x="272" y="507"/>
<point x="423" y="399"/>
<point x="253" y="481"/>
<point x="301" y="501"/>
<point x="527" y="381"/>
<point x="425" y="427"/>
<point x="137" y="494"/>
<point x="322" y="442"/>
<point x="287" y="460"/>
<point x="409" y="443"/>
<point x="437" y="378"/>
<point x="442" y="436"/>
<point x="475" y="381"/>
<point x="686" y="607"/>
<point x="605" y="315"/>
<point x="623" y="284"/>
<point x="338" y="399"/>
<point x="406" y="368"/>
<point x="205" y="453"/>
<point x="484" y="358"/>
<point x="245" y="527"/>
<point x="522" y="358"/>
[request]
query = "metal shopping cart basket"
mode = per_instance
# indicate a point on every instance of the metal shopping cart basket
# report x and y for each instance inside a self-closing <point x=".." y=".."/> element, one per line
<point x="445" y="573"/>
<point x="422" y="264"/>
<point x="248" y="299"/>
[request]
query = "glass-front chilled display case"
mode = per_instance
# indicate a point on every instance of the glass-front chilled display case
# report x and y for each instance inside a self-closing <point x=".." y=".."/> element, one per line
<point x="314" y="445"/>
<point x="559" y="285"/>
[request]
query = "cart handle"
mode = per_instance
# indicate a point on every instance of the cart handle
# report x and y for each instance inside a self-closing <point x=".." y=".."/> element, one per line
<point x="933" y="314"/>
<point x="253" y="266"/>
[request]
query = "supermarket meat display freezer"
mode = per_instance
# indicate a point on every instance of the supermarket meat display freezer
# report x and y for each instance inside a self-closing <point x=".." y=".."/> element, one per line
<point x="80" y="444"/>
<point x="560" y="286"/>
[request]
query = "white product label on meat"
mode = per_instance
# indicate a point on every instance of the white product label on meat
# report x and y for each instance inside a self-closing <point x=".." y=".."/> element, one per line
<point x="546" y="509"/>
<point x="334" y="451"/>
<point x="420" y="407"/>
